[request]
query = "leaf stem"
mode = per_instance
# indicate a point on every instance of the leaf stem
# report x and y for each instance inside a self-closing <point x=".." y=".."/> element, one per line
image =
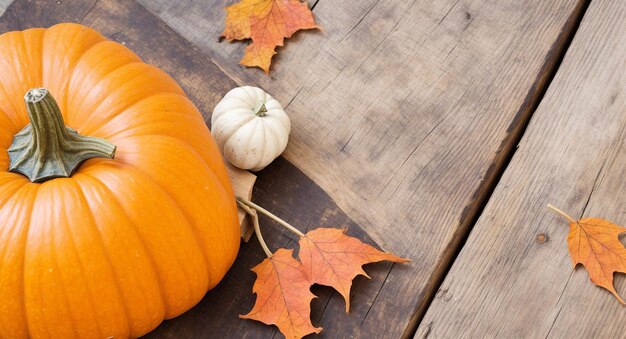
<point x="265" y="212"/>
<point x="257" y="228"/>
<point x="561" y="213"/>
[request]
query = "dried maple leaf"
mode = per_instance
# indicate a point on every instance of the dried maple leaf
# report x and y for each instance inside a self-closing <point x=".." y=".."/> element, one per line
<point x="283" y="295"/>
<point x="594" y="243"/>
<point x="328" y="257"/>
<point x="267" y="23"/>
<point x="332" y="258"/>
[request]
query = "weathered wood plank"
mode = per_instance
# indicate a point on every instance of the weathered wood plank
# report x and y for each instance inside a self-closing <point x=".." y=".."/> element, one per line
<point x="513" y="278"/>
<point x="4" y="4"/>
<point x="21" y="15"/>
<point x="404" y="113"/>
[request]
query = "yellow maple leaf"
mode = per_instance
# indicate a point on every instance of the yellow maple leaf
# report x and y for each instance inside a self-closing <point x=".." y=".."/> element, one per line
<point x="594" y="243"/>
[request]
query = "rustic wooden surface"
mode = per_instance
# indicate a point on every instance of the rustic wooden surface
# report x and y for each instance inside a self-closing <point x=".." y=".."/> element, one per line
<point x="4" y="4"/>
<point x="514" y="277"/>
<point x="404" y="112"/>
<point x="404" y="116"/>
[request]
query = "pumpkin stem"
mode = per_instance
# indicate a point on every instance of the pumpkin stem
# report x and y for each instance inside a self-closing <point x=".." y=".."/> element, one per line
<point x="46" y="148"/>
<point x="261" y="111"/>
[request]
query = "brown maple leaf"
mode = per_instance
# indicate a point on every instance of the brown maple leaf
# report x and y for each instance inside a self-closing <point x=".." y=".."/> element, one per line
<point x="267" y="23"/>
<point x="330" y="257"/>
<point x="283" y="295"/>
<point x="594" y="243"/>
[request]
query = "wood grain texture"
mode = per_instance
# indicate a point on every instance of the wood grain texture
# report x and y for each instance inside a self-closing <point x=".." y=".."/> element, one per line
<point x="21" y="15"/>
<point x="4" y="4"/>
<point x="514" y="277"/>
<point x="404" y="113"/>
<point x="281" y="187"/>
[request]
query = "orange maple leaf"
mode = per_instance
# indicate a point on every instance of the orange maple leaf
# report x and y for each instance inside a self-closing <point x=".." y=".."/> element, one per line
<point x="283" y="295"/>
<point x="332" y="258"/>
<point x="594" y="243"/>
<point x="267" y="23"/>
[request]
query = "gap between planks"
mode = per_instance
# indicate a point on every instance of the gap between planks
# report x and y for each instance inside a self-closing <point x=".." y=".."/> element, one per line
<point x="506" y="152"/>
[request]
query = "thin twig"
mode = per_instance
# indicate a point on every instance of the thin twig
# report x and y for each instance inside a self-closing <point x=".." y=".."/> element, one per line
<point x="257" y="228"/>
<point x="262" y="210"/>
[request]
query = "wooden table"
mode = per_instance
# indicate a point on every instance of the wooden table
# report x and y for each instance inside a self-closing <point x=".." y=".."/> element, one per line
<point x="438" y="130"/>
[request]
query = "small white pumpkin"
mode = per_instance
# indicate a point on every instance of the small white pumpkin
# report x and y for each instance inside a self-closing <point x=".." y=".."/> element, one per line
<point x="250" y="127"/>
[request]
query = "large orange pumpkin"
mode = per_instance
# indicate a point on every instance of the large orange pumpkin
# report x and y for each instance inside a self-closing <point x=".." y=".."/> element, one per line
<point x="121" y="244"/>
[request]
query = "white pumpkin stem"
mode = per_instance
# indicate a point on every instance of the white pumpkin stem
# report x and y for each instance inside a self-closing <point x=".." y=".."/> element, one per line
<point x="250" y="204"/>
<point x="257" y="228"/>
<point x="261" y="111"/>
<point x="561" y="213"/>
